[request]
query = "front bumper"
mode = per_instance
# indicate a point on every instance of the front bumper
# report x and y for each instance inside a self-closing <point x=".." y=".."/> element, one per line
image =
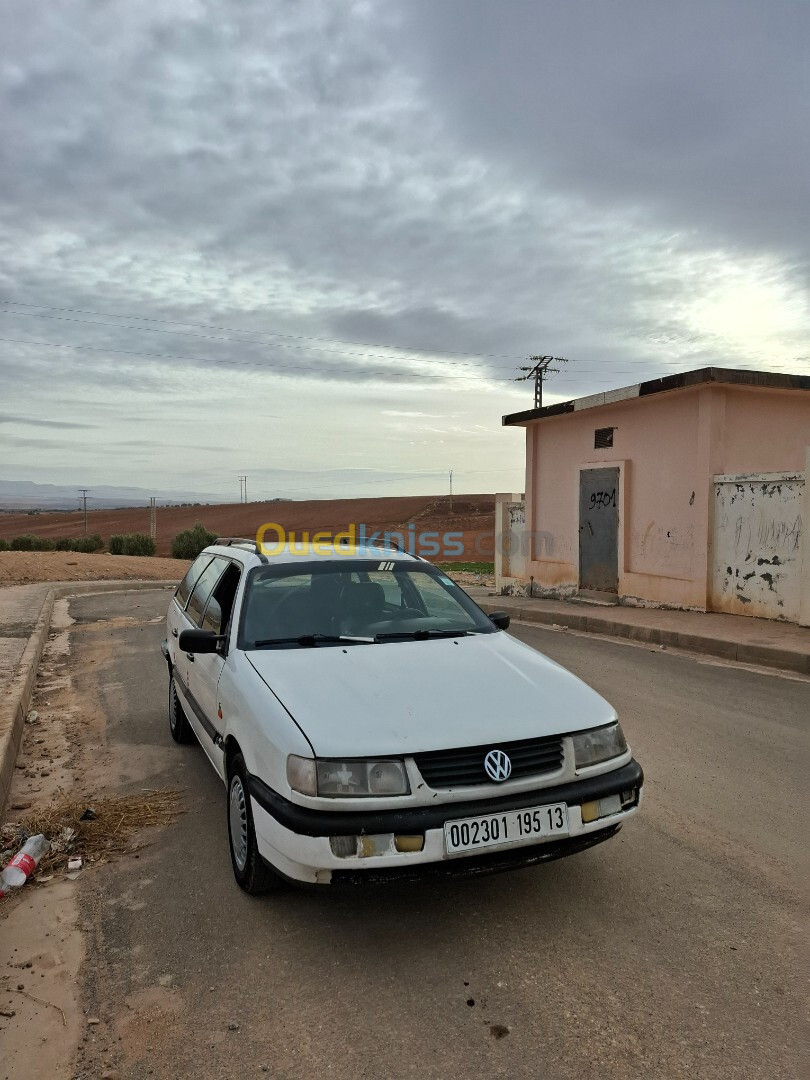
<point x="295" y="839"/>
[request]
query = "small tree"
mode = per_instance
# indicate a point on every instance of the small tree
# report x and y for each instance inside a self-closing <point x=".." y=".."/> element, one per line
<point x="189" y="544"/>
<point x="132" y="544"/>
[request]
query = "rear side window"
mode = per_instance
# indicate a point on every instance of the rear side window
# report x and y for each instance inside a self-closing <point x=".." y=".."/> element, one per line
<point x="218" y="612"/>
<point x="203" y="589"/>
<point x="188" y="582"/>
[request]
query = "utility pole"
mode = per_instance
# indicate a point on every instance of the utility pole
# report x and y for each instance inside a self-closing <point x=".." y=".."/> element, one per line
<point x="153" y="517"/>
<point x="242" y="489"/>
<point x="451" y="490"/>
<point x="539" y="369"/>
<point x="84" y="503"/>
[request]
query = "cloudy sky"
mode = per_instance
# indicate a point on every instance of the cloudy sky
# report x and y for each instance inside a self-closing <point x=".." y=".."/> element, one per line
<point x="312" y="240"/>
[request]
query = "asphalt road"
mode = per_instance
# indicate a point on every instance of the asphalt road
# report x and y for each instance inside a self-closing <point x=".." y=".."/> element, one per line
<point x="670" y="951"/>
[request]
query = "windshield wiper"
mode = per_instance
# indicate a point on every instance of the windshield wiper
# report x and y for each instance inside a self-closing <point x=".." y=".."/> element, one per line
<point x="421" y="635"/>
<point x="310" y="640"/>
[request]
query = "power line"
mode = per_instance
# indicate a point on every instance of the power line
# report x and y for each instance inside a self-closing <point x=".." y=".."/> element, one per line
<point x="212" y="337"/>
<point x="238" y="363"/>
<point x="259" y="333"/>
<point x="482" y="377"/>
<point x="401" y="350"/>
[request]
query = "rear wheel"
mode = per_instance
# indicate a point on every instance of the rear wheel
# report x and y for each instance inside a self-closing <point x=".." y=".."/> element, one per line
<point x="251" y="872"/>
<point x="180" y="728"/>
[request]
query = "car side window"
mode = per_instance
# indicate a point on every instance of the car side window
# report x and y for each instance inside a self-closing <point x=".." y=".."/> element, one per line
<point x="203" y="589"/>
<point x="218" y="610"/>
<point x="189" y="581"/>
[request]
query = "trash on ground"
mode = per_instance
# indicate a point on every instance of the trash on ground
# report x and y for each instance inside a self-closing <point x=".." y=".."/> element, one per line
<point x="74" y="864"/>
<point x="32" y="717"/>
<point x="88" y="815"/>
<point x="23" y="864"/>
<point x="108" y="833"/>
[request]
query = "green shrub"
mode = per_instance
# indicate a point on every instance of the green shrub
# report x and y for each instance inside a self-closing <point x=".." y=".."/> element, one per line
<point x="189" y="544"/>
<point x="3" y="545"/>
<point x="132" y="544"/>
<point x="31" y="543"/>
<point x="85" y="544"/>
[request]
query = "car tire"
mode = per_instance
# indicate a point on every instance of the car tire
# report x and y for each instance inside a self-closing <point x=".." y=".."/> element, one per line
<point x="179" y="727"/>
<point x="250" y="870"/>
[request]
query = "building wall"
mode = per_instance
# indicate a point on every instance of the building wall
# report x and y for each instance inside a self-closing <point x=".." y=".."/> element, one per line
<point x="764" y="431"/>
<point x="660" y="508"/>
<point x="757" y="545"/>
<point x="668" y="448"/>
<point x="510" y="541"/>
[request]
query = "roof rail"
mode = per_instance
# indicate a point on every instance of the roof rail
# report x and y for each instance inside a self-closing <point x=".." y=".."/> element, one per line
<point x="241" y="541"/>
<point x="386" y="542"/>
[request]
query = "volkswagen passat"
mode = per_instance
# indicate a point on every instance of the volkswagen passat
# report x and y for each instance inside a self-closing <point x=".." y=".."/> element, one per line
<point x="371" y="722"/>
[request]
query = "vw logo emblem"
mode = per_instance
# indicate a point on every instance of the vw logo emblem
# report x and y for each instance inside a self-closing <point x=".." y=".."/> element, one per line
<point x="497" y="765"/>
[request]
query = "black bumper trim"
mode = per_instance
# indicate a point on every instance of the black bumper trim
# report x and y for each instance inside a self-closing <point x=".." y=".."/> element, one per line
<point x="164" y="648"/>
<point x="417" y="819"/>
<point x="475" y="865"/>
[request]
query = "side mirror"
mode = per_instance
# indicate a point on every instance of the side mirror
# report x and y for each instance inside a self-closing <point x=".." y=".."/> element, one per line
<point x="201" y="641"/>
<point x="500" y="618"/>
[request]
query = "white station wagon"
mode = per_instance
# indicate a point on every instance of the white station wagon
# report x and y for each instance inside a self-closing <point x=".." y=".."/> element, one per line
<point x="372" y="723"/>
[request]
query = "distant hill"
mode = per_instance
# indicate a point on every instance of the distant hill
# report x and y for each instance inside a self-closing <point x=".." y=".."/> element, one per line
<point x="16" y="495"/>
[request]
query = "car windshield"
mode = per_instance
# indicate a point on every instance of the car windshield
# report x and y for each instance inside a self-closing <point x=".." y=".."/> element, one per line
<point x="354" y="601"/>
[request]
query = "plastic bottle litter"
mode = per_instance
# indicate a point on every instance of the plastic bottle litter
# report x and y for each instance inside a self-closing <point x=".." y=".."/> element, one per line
<point x="23" y="864"/>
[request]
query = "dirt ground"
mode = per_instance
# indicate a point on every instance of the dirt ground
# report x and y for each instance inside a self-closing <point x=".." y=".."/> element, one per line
<point x="471" y="515"/>
<point x="26" y="567"/>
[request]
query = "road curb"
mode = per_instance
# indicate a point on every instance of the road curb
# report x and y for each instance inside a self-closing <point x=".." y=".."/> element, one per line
<point x="14" y="707"/>
<point x="744" y="653"/>
<point x="17" y="696"/>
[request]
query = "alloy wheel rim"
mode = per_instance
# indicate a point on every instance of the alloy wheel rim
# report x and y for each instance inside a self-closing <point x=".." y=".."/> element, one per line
<point x="238" y="822"/>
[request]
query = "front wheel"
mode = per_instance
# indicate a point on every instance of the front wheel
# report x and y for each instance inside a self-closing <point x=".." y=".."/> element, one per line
<point x="180" y="728"/>
<point x="251" y="872"/>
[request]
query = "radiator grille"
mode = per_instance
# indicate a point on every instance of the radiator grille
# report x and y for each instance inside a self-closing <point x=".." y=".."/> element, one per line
<point x="465" y="766"/>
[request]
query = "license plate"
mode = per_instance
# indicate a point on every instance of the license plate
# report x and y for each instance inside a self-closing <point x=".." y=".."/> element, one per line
<point x="516" y="826"/>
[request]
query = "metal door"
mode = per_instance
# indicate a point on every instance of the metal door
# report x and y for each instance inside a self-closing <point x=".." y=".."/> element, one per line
<point x="599" y="530"/>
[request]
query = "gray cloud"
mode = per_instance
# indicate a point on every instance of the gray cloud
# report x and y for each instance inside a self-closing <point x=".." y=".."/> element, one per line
<point x="36" y="421"/>
<point x="624" y="189"/>
<point x="694" y="113"/>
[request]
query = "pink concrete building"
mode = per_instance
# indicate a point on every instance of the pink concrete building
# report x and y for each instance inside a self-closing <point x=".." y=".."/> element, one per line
<point x="687" y="491"/>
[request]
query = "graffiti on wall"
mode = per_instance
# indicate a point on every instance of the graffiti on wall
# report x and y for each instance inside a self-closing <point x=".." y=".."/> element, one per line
<point x="758" y="535"/>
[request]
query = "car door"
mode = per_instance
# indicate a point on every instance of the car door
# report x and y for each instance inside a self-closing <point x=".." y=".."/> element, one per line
<point x="176" y="620"/>
<point x="192" y="618"/>
<point x="205" y="673"/>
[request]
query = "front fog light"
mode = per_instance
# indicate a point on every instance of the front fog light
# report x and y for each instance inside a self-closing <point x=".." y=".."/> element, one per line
<point x="601" y="744"/>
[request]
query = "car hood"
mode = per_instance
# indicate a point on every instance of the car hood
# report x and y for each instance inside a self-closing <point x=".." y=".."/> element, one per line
<point x="408" y="697"/>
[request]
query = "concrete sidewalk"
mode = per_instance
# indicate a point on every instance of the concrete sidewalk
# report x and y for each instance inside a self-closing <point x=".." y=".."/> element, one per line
<point x="25" y="618"/>
<point x="732" y="637"/>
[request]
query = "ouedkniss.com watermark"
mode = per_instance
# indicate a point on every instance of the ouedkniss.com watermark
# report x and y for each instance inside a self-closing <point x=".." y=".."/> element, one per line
<point x="273" y="539"/>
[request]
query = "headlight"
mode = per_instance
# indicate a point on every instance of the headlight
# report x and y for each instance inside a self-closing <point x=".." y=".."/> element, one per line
<point x="591" y="747"/>
<point x="347" y="779"/>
